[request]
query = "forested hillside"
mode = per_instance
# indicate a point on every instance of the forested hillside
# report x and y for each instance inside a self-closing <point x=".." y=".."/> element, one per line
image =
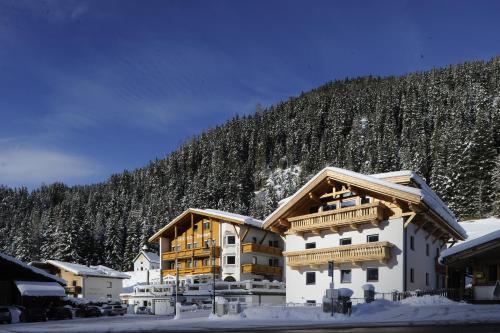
<point x="444" y="124"/>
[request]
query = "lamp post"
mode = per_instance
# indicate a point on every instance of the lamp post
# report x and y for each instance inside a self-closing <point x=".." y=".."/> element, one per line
<point x="176" y="285"/>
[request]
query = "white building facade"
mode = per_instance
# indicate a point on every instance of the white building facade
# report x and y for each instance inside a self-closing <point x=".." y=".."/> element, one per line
<point x="377" y="230"/>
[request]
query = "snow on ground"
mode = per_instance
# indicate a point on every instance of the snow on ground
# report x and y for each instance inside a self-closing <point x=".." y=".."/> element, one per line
<point x="428" y="310"/>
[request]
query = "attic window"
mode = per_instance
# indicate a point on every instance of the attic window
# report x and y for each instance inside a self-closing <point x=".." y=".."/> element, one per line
<point x="348" y="203"/>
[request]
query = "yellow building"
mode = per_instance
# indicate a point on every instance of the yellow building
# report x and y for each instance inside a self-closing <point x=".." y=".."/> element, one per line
<point x="231" y="246"/>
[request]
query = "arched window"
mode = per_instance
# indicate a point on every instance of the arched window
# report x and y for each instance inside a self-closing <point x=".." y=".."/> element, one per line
<point x="229" y="279"/>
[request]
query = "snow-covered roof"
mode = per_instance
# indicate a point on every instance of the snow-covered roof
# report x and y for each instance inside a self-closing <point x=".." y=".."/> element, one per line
<point x="218" y="214"/>
<point x="479" y="231"/>
<point x="83" y="270"/>
<point x="424" y="193"/>
<point x="31" y="268"/>
<point x="233" y="216"/>
<point x="37" y="288"/>
<point x="150" y="256"/>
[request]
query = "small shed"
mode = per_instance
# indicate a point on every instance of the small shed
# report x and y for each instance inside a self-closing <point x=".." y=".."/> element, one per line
<point x="22" y="284"/>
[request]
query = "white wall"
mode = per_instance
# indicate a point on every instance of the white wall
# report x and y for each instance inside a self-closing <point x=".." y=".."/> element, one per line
<point x="418" y="260"/>
<point x="96" y="288"/>
<point x="390" y="274"/>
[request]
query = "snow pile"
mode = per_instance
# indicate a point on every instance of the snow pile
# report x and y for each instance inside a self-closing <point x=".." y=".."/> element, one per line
<point x="427" y="300"/>
<point x="380" y="305"/>
<point x="289" y="313"/>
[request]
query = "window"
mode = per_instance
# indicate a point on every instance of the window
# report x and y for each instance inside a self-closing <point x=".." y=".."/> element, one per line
<point x="412" y="275"/>
<point x="195" y="263"/>
<point x="74" y="283"/>
<point x="276" y="262"/>
<point x="345" y="241"/>
<point x="492" y="273"/>
<point x="426" y="279"/>
<point x="189" y="263"/>
<point x="270" y="261"/>
<point x="109" y="296"/>
<point x="329" y="207"/>
<point x="230" y="260"/>
<point x="254" y="260"/>
<point x="313" y="209"/>
<point x="372" y="274"/>
<point x="372" y="238"/>
<point x="311" y="302"/>
<point x="109" y="284"/>
<point x="189" y="246"/>
<point x="231" y="240"/>
<point x="254" y="240"/>
<point x="437" y="252"/>
<point x="348" y="203"/>
<point x="345" y="276"/>
<point x="311" y="245"/>
<point x="412" y="243"/>
<point x="427" y="249"/>
<point x="195" y="227"/>
<point x="206" y="225"/>
<point x="365" y="200"/>
<point x="310" y="278"/>
<point x="205" y="262"/>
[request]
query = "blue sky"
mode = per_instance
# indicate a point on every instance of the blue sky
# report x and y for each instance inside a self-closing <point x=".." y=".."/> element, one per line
<point x="90" y="88"/>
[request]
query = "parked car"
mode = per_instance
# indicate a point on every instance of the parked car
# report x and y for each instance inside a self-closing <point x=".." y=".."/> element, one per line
<point x="113" y="310"/>
<point x="5" y="316"/>
<point x="60" y="312"/>
<point x="34" y="314"/>
<point x="91" y="311"/>
<point x="142" y="310"/>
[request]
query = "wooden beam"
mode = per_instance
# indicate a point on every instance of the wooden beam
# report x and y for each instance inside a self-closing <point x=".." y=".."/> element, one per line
<point x="314" y="197"/>
<point x="430" y="233"/>
<point x="410" y="219"/>
<point x="354" y="226"/>
<point x="245" y="233"/>
<point x="284" y="223"/>
<point x="331" y="182"/>
<point x="420" y="226"/>
<point x="334" y="229"/>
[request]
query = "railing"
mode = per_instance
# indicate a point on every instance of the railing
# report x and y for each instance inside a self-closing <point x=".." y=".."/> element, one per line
<point x="338" y="218"/>
<point x="379" y="251"/>
<point x="188" y="253"/>
<point x="74" y="290"/>
<point x="261" y="269"/>
<point x="192" y="270"/>
<point x="253" y="247"/>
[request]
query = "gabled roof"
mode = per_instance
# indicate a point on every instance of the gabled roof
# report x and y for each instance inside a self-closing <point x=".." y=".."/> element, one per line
<point x="83" y="270"/>
<point x="150" y="256"/>
<point x="31" y="269"/>
<point x="216" y="214"/>
<point x="481" y="232"/>
<point x="376" y="183"/>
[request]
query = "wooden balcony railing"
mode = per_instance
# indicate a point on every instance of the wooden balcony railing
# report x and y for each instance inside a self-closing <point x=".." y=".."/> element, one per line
<point x="73" y="290"/>
<point x="377" y="251"/>
<point x="188" y="253"/>
<point x="261" y="269"/>
<point x="192" y="270"/>
<point x="335" y="219"/>
<point x="253" y="247"/>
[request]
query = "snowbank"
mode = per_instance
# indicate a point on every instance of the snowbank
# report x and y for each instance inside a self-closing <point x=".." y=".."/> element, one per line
<point x="427" y="300"/>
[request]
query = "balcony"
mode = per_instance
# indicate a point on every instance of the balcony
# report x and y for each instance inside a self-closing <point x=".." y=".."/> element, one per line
<point x="192" y="270"/>
<point x="253" y="247"/>
<point x="73" y="290"/>
<point x="188" y="253"/>
<point x="261" y="269"/>
<point x="333" y="220"/>
<point x="355" y="254"/>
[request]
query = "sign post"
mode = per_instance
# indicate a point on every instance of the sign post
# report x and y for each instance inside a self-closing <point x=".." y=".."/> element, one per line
<point x="330" y="273"/>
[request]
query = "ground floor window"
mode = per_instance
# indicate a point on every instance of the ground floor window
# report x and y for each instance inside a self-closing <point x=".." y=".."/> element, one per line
<point x="310" y="301"/>
<point x="310" y="278"/>
<point x="412" y="275"/>
<point x="345" y="276"/>
<point x="372" y="274"/>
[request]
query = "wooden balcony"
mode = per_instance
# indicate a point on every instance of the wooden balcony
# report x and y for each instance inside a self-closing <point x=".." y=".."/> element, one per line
<point x="261" y="269"/>
<point x="73" y="290"/>
<point x="253" y="247"/>
<point x="188" y="253"/>
<point x="333" y="220"/>
<point x="355" y="254"/>
<point x="192" y="270"/>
